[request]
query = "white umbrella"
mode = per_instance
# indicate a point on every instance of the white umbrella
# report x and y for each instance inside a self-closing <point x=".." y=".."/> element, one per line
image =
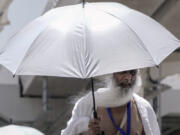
<point x="86" y="41"/>
<point x="79" y="42"/>
<point x="19" y="130"/>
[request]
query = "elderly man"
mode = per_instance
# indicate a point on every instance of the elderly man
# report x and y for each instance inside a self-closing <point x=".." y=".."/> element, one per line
<point x="120" y="111"/>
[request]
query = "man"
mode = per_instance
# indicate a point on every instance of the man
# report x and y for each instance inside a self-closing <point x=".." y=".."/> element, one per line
<point x="120" y="111"/>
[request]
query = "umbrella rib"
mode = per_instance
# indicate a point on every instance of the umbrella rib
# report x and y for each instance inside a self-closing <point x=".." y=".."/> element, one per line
<point x="130" y="30"/>
<point x="84" y="43"/>
<point x="28" y="50"/>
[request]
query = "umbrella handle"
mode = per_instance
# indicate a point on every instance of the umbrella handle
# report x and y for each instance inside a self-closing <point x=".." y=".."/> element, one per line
<point x="94" y="105"/>
<point x="95" y="114"/>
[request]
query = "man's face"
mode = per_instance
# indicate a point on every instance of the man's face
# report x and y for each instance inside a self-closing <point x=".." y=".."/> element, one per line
<point x="125" y="79"/>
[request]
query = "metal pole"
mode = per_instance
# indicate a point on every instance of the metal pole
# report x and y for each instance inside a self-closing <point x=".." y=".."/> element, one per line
<point x="159" y="98"/>
<point x="45" y="94"/>
<point x="94" y="102"/>
<point x="84" y="2"/>
<point x="94" y="105"/>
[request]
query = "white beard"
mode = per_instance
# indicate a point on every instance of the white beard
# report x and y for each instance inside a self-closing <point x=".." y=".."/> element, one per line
<point x="114" y="95"/>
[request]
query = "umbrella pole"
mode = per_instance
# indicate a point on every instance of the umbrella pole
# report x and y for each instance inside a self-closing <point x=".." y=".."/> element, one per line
<point x="94" y="103"/>
<point x="45" y="94"/>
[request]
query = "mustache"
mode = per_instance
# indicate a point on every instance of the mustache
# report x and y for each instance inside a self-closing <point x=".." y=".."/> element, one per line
<point x="126" y="83"/>
<point x="123" y="85"/>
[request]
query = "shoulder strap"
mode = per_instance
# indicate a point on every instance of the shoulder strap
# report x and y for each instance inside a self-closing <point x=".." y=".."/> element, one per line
<point x="128" y="120"/>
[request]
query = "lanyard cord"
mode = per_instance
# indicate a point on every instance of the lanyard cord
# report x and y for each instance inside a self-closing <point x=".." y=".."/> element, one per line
<point x="128" y="120"/>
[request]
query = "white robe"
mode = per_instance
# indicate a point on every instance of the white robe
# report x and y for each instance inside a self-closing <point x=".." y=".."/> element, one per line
<point x="82" y="113"/>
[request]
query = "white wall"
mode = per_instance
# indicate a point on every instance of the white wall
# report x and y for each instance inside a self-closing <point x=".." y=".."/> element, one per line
<point x="170" y="99"/>
<point x="24" y="109"/>
<point x="19" y="109"/>
<point x="170" y="66"/>
<point x="170" y="102"/>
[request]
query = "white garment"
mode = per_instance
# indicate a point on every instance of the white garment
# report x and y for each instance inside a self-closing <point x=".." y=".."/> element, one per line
<point x="82" y="113"/>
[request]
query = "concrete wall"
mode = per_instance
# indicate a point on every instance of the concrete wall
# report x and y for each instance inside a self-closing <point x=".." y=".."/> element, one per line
<point x="25" y="109"/>
<point x="170" y="102"/>
<point x="19" y="109"/>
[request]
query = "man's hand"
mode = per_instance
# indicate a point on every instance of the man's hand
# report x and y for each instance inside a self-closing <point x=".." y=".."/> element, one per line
<point x="94" y="126"/>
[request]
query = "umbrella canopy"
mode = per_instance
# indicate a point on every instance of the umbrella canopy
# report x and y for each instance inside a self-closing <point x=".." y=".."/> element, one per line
<point x="19" y="130"/>
<point x="79" y="42"/>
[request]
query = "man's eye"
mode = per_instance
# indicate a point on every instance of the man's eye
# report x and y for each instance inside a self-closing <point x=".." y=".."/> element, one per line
<point x="133" y="72"/>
